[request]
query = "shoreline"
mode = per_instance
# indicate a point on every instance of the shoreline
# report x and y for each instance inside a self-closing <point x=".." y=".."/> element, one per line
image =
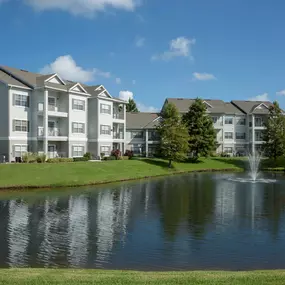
<point x="98" y="183"/>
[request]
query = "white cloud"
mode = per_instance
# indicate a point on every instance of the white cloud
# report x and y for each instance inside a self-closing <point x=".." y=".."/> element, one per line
<point x="139" y="42"/>
<point x="180" y="47"/>
<point x="134" y="82"/>
<point x="118" y="80"/>
<point x="281" y="93"/>
<point x="261" y="97"/>
<point x="203" y="76"/>
<point x="67" y="68"/>
<point x="126" y="95"/>
<point x="82" y="7"/>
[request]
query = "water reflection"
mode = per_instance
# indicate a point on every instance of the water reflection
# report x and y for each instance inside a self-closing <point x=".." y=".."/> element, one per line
<point x="199" y="221"/>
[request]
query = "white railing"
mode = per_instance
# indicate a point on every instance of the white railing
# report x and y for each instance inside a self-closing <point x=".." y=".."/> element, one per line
<point x="52" y="132"/>
<point x="119" y="116"/>
<point x="118" y="136"/>
<point x="51" y="108"/>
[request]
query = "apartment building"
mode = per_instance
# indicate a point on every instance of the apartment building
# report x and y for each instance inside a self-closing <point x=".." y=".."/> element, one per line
<point x="46" y="114"/>
<point x="141" y="135"/>
<point x="239" y="124"/>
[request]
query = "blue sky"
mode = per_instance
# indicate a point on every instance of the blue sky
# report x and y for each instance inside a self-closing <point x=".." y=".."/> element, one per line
<point x="152" y="49"/>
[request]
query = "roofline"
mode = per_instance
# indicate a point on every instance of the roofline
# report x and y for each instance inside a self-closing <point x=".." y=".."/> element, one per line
<point x="54" y="75"/>
<point x="239" y="108"/>
<point x="76" y="84"/>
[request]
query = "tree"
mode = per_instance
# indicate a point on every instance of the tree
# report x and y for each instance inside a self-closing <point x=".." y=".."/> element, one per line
<point x="201" y="130"/>
<point x="173" y="135"/>
<point x="132" y="106"/>
<point x="274" y="134"/>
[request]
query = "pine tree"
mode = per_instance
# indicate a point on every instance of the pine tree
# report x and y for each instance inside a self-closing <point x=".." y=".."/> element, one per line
<point x="173" y="135"/>
<point x="274" y="134"/>
<point x="201" y="130"/>
<point x="132" y="106"/>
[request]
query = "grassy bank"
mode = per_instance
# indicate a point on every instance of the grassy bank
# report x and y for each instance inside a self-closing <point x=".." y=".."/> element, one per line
<point x="91" y="173"/>
<point x="70" y="277"/>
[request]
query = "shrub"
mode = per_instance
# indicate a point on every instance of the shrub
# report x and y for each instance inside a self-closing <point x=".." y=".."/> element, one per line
<point x="224" y="154"/>
<point x="76" y="159"/>
<point x="124" y="157"/>
<point x="41" y="158"/>
<point x="116" y="153"/>
<point x="29" y="157"/>
<point x="88" y="156"/>
<point x="129" y="154"/>
<point x="53" y="160"/>
<point x="102" y="154"/>
<point x="110" y="158"/>
<point x="59" y="160"/>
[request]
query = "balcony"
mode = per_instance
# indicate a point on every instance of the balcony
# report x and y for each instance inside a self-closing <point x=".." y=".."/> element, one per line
<point x="118" y="116"/>
<point x="53" y="111"/>
<point x="118" y="135"/>
<point x="53" y="134"/>
<point x="154" y="138"/>
<point x="218" y="124"/>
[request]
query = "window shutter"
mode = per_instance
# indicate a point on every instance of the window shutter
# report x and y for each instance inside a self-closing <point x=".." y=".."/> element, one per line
<point x="72" y="104"/>
<point x="14" y="129"/>
<point x="14" y="99"/>
<point x="28" y="125"/>
<point x="83" y="125"/>
<point x="28" y="101"/>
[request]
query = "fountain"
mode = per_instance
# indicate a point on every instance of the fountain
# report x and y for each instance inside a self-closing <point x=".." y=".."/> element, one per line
<point x="254" y="161"/>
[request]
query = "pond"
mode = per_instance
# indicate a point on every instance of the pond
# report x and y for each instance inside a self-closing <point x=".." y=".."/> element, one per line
<point x="194" y="221"/>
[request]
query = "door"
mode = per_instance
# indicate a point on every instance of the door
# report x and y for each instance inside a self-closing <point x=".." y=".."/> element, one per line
<point x="52" y="151"/>
<point x="52" y="130"/>
<point x="51" y="103"/>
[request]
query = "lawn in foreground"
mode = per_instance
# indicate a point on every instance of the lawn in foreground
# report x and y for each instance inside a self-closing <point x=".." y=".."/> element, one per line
<point x="100" y="277"/>
<point x="88" y="173"/>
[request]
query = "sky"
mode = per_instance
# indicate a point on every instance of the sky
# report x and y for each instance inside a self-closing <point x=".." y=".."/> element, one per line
<point x="152" y="49"/>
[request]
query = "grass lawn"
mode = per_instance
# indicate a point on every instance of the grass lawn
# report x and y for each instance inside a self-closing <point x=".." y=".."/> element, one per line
<point x="88" y="173"/>
<point x="100" y="277"/>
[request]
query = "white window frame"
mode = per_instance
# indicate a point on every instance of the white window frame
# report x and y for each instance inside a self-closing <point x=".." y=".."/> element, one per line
<point x="78" y="152"/>
<point x="104" y="110"/>
<point x="23" y="103"/>
<point x="22" y="152"/>
<point x="232" y="137"/>
<point x="78" y="105"/>
<point x="21" y="126"/>
<point x="229" y="118"/>
<point x="104" y="131"/>
<point x="106" y="152"/>
<point x="76" y="128"/>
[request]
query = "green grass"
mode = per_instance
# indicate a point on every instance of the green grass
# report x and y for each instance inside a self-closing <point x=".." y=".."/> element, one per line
<point x="101" y="277"/>
<point x="91" y="173"/>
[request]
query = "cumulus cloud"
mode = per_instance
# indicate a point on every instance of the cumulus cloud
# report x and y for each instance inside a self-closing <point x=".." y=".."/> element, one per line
<point x="82" y="7"/>
<point x="139" y="42"/>
<point x="261" y="97"/>
<point x="179" y="47"/>
<point x="67" y="68"/>
<point x="118" y="80"/>
<point x="203" y="76"/>
<point x="281" y="93"/>
<point x="126" y="95"/>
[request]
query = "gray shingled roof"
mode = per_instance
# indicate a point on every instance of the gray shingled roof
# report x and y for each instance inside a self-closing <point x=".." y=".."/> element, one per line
<point x="8" y="79"/>
<point x="217" y="106"/>
<point x="141" y="120"/>
<point x="249" y="106"/>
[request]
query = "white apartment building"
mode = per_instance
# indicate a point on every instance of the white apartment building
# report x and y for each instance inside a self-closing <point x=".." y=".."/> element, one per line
<point x="46" y="114"/>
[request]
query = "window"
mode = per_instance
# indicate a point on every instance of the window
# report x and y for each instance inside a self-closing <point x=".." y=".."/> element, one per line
<point x="259" y="122"/>
<point x="240" y="136"/>
<point x="105" y="149"/>
<point x="20" y="126"/>
<point x="105" y="130"/>
<point x="20" y="150"/>
<point x="136" y="134"/>
<point x="78" y="105"/>
<point x="78" y="128"/>
<point x="241" y="121"/>
<point x="21" y="100"/>
<point x="215" y="119"/>
<point x="137" y="148"/>
<point x="78" y="151"/>
<point x="153" y="136"/>
<point x="228" y="150"/>
<point x="229" y="120"/>
<point x="228" y="136"/>
<point x="105" y="109"/>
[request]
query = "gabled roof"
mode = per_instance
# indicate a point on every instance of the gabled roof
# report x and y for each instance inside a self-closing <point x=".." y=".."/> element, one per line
<point x="72" y="86"/>
<point x="215" y="106"/>
<point x="9" y="80"/>
<point x="251" y="107"/>
<point x="142" y="120"/>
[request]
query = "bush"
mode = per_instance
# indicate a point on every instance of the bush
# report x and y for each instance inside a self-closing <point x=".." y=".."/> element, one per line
<point x="88" y="156"/>
<point x="102" y="154"/>
<point x="124" y="158"/>
<point x="224" y="154"/>
<point x="117" y="153"/>
<point x="59" y="160"/>
<point x="110" y="158"/>
<point x="29" y="157"/>
<point x="41" y="158"/>
<point x="76" y="159"/>
<point x="129" y="154"/>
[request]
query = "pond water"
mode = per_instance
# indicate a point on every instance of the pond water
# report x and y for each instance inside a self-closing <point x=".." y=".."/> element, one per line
<point x="196" y="221"/>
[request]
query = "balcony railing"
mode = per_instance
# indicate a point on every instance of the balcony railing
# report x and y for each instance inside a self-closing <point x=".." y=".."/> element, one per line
<point x="153" y="138"/>
<point x="51" y="108"/>
<point x="52" y="132"/>
<point x="218" y="124"/>
<point x="118" y="136"/>
<point x="118" y="116"/>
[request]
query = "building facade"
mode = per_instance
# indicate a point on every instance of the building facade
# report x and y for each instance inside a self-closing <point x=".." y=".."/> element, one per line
<point x="45" y="114"/>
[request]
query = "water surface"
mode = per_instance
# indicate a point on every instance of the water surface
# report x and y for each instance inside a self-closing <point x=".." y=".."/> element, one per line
<point x="194" y="221"/>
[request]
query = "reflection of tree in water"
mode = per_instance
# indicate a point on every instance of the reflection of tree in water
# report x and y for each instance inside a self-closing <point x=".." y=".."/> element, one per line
<point x="191" y="202"/>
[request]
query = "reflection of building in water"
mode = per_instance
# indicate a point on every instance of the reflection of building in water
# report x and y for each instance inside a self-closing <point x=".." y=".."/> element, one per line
<point x="112" y="219"/>
<point x="4" y="214"/>
<point x="78" y="230"/>
<point x="53" y="227"/>
<point x="18" y="233"/>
